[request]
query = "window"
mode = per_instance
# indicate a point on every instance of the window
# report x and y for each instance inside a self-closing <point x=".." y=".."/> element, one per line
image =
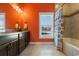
<point x="46" y="24"/>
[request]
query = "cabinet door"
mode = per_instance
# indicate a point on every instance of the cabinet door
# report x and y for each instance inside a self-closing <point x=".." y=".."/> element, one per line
<point x="21" y="46"/>
<point x="27" y="38"/>
<point x="13" y="48"/>
<point x="21" y="42"/>
<point x="4" y="50"/>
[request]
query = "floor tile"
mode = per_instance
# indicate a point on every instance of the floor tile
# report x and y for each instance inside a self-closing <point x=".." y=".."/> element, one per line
<point x="41" y="50"/>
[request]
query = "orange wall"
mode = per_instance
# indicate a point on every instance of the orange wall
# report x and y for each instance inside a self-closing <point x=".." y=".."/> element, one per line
<point x="11" y="15"/>
<point x="31" y="17"/>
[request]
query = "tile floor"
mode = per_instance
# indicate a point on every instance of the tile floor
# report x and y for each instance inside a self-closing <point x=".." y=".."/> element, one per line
<point x="41" y="50"/>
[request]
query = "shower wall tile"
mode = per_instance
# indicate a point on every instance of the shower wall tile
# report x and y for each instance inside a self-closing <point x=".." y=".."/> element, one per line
<point x="71" y="24"/>
<point x="75" y="26"/>
<point x="70" y="8"/>
<point x="67" y="27"/>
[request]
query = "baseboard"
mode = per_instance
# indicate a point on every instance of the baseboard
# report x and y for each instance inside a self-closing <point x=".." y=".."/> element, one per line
<point x="41" y="42"/>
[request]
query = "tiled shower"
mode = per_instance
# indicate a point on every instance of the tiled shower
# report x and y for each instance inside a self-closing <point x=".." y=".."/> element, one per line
<point x="71" y="29"/>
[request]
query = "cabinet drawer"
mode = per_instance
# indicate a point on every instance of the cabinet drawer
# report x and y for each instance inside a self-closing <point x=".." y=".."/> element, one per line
<point x="8" y="38"/>
<point x="21" y="36"/>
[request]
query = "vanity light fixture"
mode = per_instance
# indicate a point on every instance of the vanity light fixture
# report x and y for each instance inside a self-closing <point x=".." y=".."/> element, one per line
<point x="25" y="26"/>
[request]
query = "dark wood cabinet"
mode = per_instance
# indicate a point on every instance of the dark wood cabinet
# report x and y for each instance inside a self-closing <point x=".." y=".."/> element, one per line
<point x="13" y="48"/>
<point x="27" y="38"/>
<point x="14" y="44"/>
<point x="21" y="42"/>
<point x="4" y="50"/>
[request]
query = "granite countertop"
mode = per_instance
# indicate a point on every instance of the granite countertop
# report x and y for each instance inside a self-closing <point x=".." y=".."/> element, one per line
<point x="9" y="32"/>
<point x="4" y="34"/>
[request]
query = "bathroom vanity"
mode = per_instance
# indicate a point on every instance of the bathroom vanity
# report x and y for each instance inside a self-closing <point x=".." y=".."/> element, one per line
<point x="13" y="43"/>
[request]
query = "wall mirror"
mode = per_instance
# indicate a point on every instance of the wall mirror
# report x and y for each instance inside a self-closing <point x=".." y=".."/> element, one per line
<point x="2" y="22"/>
